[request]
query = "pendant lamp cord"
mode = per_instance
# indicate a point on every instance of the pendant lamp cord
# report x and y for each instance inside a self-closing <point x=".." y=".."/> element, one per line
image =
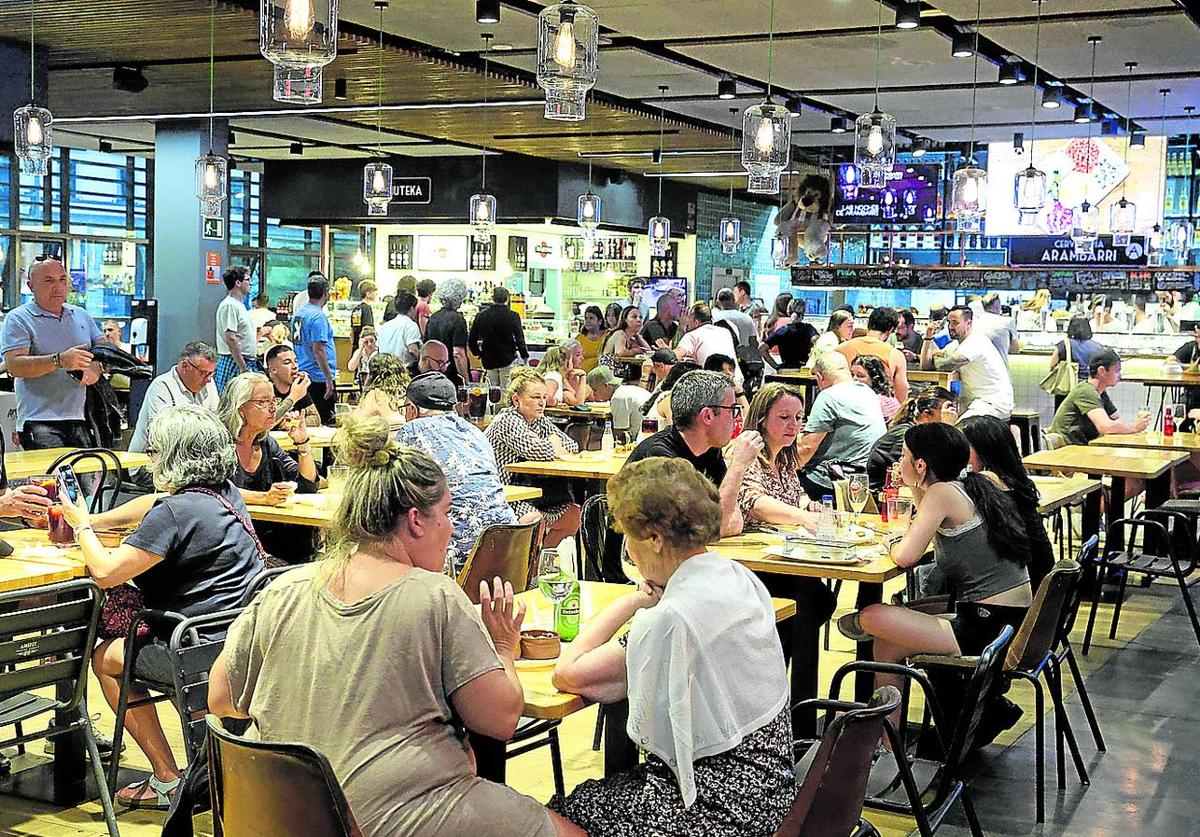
<point x="1162" y="128"/>
<point x="487" y="49"/>
<point x="878" y="43"/>
<point x="1128" y="121"/>
<point x="662" y="123"/>
<point x="975" y="77"/>
<point x="379" y="89"/>
<point x="1037" y="53"/>
<point x="770" y="48"/>
<point x="1092" y="97"/>
<point x="212" y="47"/>
<point x="733" y="148"/>
<point x="31" y="52"/>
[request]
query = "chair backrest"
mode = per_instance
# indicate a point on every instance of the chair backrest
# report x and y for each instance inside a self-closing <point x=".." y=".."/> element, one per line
<point x="1039" y="629"/>
<point x="829" y="801"/>
<point x="991" y="661"/>
<point x="585" y="434"/>
<point x="273" y="790"/>
<point x="111" y="474"/>
<point x="260" y="582"/>
<point x="194" y="646"/>
<point x="46" y="644"/>
<point x="504" y="550"/>
<point x="1084" y="557"/>
<point x="1179" y="542"/>
<point x="593" y="530"/>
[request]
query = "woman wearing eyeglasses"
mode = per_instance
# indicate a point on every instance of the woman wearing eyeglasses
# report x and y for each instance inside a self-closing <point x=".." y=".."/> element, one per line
<point x="265" y="473"/>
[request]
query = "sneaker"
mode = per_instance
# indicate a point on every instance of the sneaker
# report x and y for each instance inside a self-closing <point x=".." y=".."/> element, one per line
<point x="851" y="628"/>
<point x="103" y="742"/>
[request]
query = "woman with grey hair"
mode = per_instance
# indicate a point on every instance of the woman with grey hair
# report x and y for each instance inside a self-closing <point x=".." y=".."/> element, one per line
<point x="193" y="553"/>
<point x="265" y="473"/>
<point x="448" y="326"/>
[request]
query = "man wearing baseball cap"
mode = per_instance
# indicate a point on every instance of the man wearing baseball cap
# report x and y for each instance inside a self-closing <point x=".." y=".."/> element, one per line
<point x="465" y="456"/>
<point x="625" y="400"/>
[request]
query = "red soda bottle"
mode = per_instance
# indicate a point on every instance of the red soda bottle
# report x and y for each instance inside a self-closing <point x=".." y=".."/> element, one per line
<point x="1169" y="421"/>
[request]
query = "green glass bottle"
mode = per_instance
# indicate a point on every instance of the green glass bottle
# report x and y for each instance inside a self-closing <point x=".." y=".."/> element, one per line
<point x="566" y="614"/>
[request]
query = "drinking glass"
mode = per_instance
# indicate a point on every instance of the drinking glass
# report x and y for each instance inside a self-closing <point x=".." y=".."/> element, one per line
<point x="899" y="509"/>
<point x="60" y="530"/>
<point x="477" y="402"/>
<point x="336" y="477"/>
<point x="858" y="492"/>
<point x="494" y="395"/>
<point x="462" y="395"/>
<point x="553" y="581"/>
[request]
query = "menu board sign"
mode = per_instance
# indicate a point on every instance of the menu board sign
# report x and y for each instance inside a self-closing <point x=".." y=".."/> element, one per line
<point x="1054" y="250"/>
<point x="1059" y="281"/>
<point x="909" y="196"/>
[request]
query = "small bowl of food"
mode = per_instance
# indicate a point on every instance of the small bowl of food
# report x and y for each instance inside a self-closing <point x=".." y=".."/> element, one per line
<point x="540" y="645"/>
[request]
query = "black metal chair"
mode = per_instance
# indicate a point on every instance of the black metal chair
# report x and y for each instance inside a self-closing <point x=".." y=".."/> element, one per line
<point x="50" y="645"/>
<point x="829" y="801"/>
<point x="1156" y="544"/>
<point x="194" y="645"/>
<point x="925" y="789"/>
<point x="273" y="790"/>
<point x="112" y="475"/>
<point x="261" y="581"/>
<point x="1064" y="652"/>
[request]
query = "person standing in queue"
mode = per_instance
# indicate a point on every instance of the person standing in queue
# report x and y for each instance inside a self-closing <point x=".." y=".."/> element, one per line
<point x="237" y="344"/>
<point x="497" y="338"/>
<point x="313" y="338"/>
<point x="44" y="341"/>
<point x="362" y="315"/>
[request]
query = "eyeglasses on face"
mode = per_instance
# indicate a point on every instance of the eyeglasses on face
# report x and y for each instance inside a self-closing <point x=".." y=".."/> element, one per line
<point x="264" y="403"/>
<point x="734" y="410"/>
<point x="203" y="373"/>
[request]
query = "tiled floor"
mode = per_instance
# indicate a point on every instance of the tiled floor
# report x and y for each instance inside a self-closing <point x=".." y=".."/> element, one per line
<point x="1145" y="687"/>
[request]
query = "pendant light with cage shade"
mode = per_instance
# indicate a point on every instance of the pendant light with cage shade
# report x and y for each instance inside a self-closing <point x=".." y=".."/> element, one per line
<point x="729" y="228"/>
<point x="587" y="215"/>
<point x="1029" y="185"/>
<point x="567" y="58"/>
<point x="875" y="132"/>
<point x="482" y="217"/>
<point x="1182" y="232"/>
<point x="970" y="180"/>
<point x="658" y="230"/>
<point x="212" y="170"/>
<point x="33" y="126"/>
<point x="299" y="37"/>
<point x="1085" y="219"/>
<point x="377" y="174"/>
<point x="1122" y="215"/>
<point x="766" y="133"/>
<point x="1156" y="243"/>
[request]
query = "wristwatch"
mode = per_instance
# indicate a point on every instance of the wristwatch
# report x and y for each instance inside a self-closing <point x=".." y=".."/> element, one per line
<point x="57" y="360"/>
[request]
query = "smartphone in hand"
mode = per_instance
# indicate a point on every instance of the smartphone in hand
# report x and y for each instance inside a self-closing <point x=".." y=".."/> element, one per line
<point x="68" y="483"/>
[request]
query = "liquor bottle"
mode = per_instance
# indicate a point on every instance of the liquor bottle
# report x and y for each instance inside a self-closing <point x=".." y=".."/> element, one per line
<point x="566" y="614"/>
<point x="1169" y="421"/>
<point x="883" y="495"/>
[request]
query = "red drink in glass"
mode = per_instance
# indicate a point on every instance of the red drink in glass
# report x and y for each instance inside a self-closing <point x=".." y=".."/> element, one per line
<point x="60" y="531"/>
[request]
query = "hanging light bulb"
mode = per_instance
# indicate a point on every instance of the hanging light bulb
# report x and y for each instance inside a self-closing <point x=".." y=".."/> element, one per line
<point x="1029" y="195"/>
<point x="588" y="214"/>
<point x="875" y="143"/>
<point x="483" y="216"/>
<point x="1085" y="227"/>
<point x="779" y="252"/>
<point x="34" y="134"/>
<point x="567" y="52"/>
<point x="730" y="234"/>
<point x="659" y="233"/>
<point x="1122" y="219"/>
<point x="1179" y="239"/>
<point x="766" y="145"/>
<point x="299" y="37"/>
<point x="970" y="195"/>
<point x="875" y="140"/>
<point x="211" y="179"/>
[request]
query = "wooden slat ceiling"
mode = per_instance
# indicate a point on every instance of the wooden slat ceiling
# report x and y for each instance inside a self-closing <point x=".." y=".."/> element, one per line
<point x="169" y="39"/>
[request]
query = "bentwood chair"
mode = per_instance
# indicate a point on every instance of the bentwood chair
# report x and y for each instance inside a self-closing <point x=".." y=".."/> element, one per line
<point x="505" y="550"/>
<point x="829" y="801"/>
<point x="49" y="647"/>
<point x="262" y="789"/>
<point x="111" y="475"/>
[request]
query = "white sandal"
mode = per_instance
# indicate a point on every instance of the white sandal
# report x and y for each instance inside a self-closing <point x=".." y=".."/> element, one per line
<point x="161" y="801"/>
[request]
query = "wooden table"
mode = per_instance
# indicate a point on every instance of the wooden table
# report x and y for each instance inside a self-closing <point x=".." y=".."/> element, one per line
<point x="595" y="410"/>
<point x="22" y="464"/>
<point x="544" y="701"/>
<point x="807" y="590"/>
<point x="1172" y="382"/>
<point x="1153" y="466"/>
<point x="1151" y="440"/>
<point x="319" y="509"/>
<point x="589" y="465"/>
<point x="320" y="437"/>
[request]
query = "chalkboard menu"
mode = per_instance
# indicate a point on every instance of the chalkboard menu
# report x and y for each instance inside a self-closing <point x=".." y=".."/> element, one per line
<point x="1060" y="282"/>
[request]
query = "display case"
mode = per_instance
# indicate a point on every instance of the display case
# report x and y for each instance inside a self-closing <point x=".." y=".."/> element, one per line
<point x="338" y="312"/>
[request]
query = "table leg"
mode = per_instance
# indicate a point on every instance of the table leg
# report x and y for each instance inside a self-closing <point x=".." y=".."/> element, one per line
<point x="864" y="682"/>
<point x="1090" y="519"/>
<point x="800" y="637"/>
<point x="490" y="758"/>
<point x="620" y="753"/>
<point x="1158" y="490"/>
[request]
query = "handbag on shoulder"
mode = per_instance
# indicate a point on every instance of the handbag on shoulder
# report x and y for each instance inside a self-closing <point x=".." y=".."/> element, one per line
<point x="1062" y="378"/>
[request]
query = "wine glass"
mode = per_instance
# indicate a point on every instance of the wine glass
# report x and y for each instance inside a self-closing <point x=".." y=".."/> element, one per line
<point x="857" y="495"/>
<point x="553" y="581"/>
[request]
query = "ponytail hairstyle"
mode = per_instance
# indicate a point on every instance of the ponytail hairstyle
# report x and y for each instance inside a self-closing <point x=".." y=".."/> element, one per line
<point x="946" y="454"/>
<point x="923" y="402"/>
<point x="996" y="450"/>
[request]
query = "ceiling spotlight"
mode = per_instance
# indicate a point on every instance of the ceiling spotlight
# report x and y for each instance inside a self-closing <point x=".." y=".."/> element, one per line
<point x="487" y="11"/>
<point x="837" y="125"/>
<point x="963" y="45"/>
<point x="1010" y="74"/>
<point x="726" y="87"/>
<point x="795" y="105"/>
<point x="1108" y="128"/>
<point x="908" y="15"/>
<point x="1137" y="139"/>
<point x="296" y="148"/>
<point x="1083" y="113"/>
<point x="1051" y="98"/>
<point x="104" y="146"/>
<point x="656" y="156"/>
<point x="129" y="79"/>
<point x="1019" y="142"/>
<point x="339" y="89"/>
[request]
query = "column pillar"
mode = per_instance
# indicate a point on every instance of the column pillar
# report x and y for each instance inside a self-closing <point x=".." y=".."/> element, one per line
<point x="187" y="303"/>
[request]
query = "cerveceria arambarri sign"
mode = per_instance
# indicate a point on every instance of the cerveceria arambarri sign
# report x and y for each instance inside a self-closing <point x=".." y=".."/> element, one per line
<point x="1052" y="250"/>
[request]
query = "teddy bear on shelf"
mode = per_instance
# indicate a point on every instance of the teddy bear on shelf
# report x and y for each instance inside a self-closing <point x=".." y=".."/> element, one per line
<point x="804" y="220"/>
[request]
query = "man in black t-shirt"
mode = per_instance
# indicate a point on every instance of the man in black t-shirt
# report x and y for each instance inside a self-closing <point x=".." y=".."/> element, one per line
<point x="664" y="325"/>
<point x="291" y="386"/>
<point x="362" y="315"/>
<point x="794" y="341"/>
<point x="703" y="410"/>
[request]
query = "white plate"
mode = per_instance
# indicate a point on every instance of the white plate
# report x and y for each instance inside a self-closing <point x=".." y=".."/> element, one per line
<point x="809" y="555"/>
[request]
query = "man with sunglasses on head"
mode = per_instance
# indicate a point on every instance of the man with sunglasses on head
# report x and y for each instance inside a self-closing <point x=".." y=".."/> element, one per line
<point x="704" y="411"/>
<point x="190" y="381"/>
